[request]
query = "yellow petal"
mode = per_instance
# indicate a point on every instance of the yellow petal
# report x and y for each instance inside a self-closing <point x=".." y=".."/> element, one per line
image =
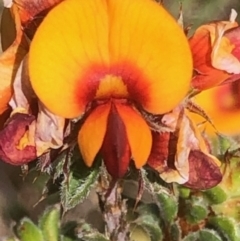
<point x="138" y="133"/>
<point x="81" y="42"/>
<point x="92" y="132"/>
<point x="68" y="55"/>
<point x="150" y="49"/>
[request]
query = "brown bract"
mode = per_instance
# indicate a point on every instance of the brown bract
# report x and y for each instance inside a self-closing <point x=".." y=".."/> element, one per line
<point x="182" y="155"/>
<point x="31" y="130"/>
<point x="33" y="12"/>
<point x="204" y="173"/>
<point x="15" y="147"/>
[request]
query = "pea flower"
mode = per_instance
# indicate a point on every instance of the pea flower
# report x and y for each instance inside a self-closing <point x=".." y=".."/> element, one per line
<point x="108" y="62"/>
<point x="216" y="57"/>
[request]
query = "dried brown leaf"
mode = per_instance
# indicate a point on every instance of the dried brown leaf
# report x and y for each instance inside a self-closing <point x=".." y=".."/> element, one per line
<point x="15" y="146"/>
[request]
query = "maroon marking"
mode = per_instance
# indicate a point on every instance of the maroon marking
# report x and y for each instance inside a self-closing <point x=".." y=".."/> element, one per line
<point x="115" y="148"/>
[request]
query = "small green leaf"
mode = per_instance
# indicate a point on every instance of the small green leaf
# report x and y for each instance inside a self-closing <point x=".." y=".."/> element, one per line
<point x="203" y="235"/>
<point x="215" y="195"/>
<point x="84" y="231"/>
<point x="168" y="206"/>
<point x="196" y="214"/>
<point x="28" y="231"/>
<point x="76" y="188"/>
<point x="175" y="232"/>
<point x="49" y="223"/>
<point x="94" y="237"/>
<point x="226" y="227"/>
<point x="196" y="209"/>
<point x="150" y="224"/>
<point x="209" y="235"/>
<point x="184" y="192"/>
<point x="137" y="233"/>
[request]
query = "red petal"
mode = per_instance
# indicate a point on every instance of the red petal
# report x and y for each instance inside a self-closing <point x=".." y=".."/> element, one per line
<point x="159" y="153"/>
<point x="115" y="149"/>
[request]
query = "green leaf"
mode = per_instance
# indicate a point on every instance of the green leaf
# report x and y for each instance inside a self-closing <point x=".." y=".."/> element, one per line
<point x="168" y="206"/>
<point x="62" y="164"/>
<point x="226" y="227"/>
<point x="77" y="187"/>
<point x="196" y="209"/>
<point x="150" y="224"/>
<point x="184" y="192"/>
<point x="79" y="179"/>
<point x="84" y="231"/>
<point x="209" y="235"/>
<point x="139" y="234"/>
<point x="196" y="214"/>
<point x="215" y="195"/>
<point x="94" y="237"/>
<point x="28" y="231"/>
<point x="203" y="235"/>
<point x="49" y="223"/>
<point x="175" y="232"/>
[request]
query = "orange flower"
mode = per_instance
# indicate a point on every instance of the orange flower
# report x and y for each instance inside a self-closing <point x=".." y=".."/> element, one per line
<point x="215" y="48"/>
<point x="105" y="61"/>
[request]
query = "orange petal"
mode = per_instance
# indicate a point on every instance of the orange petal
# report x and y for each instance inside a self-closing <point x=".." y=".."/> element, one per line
<point x="222" y="104"/>
<point x="138" y="133"/>
<point x="151" y="51"/>
<point x="68" y="55"/>
<point x="92" y="132"/>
